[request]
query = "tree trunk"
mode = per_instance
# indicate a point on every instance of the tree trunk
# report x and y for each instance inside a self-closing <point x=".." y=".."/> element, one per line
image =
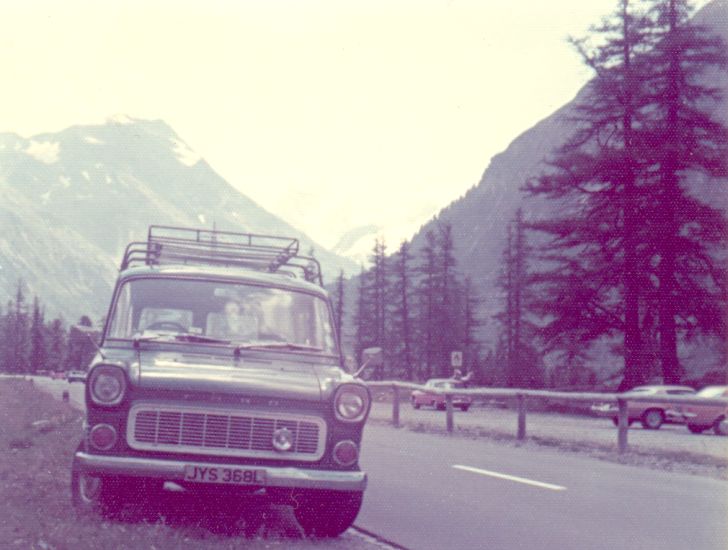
<point x="670" y="193"/>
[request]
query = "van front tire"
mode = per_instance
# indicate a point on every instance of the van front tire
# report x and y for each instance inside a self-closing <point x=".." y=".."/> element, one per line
<point x="327" y="513"/>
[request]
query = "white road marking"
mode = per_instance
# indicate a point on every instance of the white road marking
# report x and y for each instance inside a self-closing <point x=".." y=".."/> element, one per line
<point x="510" y="478"/>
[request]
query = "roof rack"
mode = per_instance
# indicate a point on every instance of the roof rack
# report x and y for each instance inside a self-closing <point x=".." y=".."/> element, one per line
<point x="181" y="245"/>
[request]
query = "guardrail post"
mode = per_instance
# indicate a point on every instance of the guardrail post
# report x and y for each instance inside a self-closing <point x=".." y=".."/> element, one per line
<point x="521" y="416"/>
<point x="622" y="426"/>
<point x="449" y="413"/>
<point x="395" y="406"/>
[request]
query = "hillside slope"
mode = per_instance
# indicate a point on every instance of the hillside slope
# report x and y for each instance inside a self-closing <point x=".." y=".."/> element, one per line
<point x="73" y="200"/>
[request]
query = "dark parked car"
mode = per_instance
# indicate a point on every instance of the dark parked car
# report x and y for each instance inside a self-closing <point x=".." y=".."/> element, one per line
<point x="76" y="376"/>
<point x="219" y="366"/>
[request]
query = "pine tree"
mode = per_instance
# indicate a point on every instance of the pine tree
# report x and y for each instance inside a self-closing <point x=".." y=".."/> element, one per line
<point x="523" y="364"/>
<point x="683" y="140"/>
<point x="401" y="312"/>
<point x="339" y="298"/>
<point x="37" y="338"/>
<point x="633" y="233"/>
<point x="363" y="316"/>
<point x="18" y="334"/>
<point x="428" y="307"/>
<point x="417" y="314"/>
<point x="4" y="339"/>
<point x="379" y="293"/>
<point x="511" y="283"/>
<point x="471" y="323"/>
<point x="439" y="304"/>
<point x="594" y="251"/>
<point x="57" y="345"/>
<point x="450" y="294"/>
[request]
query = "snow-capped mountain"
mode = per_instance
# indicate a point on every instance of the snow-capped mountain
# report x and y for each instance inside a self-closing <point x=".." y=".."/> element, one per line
<point x="71" y="201"/>
<point x="358" y="243"/>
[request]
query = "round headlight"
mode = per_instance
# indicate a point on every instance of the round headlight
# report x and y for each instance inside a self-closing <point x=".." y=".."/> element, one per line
<point x="351" y="403"/>
<point x="107" y="385"/>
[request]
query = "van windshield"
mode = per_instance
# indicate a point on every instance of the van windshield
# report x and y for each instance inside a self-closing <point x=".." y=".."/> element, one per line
<point x="208" y="311"/>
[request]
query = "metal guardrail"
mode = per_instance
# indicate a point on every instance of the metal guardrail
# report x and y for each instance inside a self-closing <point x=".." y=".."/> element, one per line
<point x="521" y="396"/>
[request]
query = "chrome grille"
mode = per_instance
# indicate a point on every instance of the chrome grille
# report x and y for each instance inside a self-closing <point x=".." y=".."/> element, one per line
<point x="219" y="432"/>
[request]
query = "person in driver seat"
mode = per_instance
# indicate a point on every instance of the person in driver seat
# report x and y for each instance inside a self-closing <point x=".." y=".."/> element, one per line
<point x="236" y="322"/>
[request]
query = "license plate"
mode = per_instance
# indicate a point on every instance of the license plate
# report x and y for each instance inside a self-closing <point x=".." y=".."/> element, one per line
<point x="216" y="474"/>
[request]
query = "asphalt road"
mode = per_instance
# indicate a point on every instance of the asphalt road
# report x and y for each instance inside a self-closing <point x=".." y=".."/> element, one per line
<point x="434" y="491"/>
<point x="75" y="390"/>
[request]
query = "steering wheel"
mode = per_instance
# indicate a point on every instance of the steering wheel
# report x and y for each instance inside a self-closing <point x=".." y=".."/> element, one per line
<point x="167" y="325"/>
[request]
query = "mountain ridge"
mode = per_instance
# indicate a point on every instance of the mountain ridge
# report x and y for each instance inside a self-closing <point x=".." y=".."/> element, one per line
<point x="75" y="198"/>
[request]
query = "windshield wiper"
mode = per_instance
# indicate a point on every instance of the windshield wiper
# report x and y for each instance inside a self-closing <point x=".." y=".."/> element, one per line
<point x="276" y="345"/>
<point x="186" y="337"/>
<point x="179" y="337"/>
<point x="147" y="337"/>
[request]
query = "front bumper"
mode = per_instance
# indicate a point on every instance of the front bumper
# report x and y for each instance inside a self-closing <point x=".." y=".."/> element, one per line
<point x="173" y="470"/>
<point x="675" y="417"/>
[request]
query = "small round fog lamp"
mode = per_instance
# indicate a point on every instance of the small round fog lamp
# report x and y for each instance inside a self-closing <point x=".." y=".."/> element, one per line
<point x="102" y="437"/>
<point x="346" y="452"/>
<point x="282" y="440"/>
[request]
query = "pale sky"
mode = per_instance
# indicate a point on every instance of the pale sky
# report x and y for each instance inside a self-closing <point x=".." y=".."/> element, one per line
<point x="329" y="113"/>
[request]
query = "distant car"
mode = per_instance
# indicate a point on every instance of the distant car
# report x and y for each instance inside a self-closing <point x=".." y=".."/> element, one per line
<point x="651" y="415"/>
<point x="76" y="376"/>
<point x="430" y="399"/>
<point x="703" y="417"/>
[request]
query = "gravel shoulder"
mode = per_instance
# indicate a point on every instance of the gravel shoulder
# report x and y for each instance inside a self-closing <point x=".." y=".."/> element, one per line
<point x="671" y="448"/>
<point x="37" y="440"/>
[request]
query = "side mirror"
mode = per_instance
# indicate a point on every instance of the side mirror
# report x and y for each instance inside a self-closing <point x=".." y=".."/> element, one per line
<point x="83" y="342"/>
<point x="371" y="357"/>
<point x="350" y="364"/>
<point x="82" y="333"/>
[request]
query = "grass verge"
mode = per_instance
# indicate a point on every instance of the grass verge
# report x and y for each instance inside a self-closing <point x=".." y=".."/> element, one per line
<point x="37" y="441"/>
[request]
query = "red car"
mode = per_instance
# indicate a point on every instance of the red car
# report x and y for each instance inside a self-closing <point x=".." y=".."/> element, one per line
<point x="437" y="401"/>
<point x="702" y="417"/>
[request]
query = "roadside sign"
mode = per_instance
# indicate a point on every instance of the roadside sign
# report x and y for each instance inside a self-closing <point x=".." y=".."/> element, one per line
<point x="456" y="358"/>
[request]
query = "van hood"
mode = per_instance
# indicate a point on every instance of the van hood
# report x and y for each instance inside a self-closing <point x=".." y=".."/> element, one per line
<point x="209" y="373"/>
